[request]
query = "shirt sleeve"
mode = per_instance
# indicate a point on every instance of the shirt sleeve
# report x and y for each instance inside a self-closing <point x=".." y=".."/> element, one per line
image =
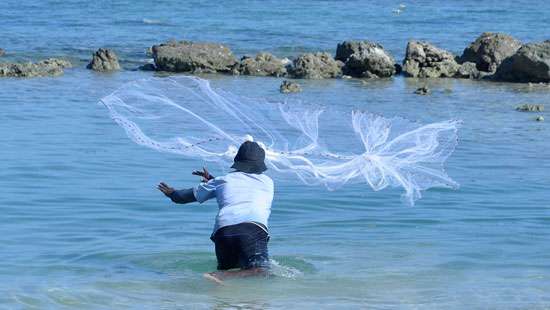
<point x="205" y="191"/>
<point x="183" y="196"/>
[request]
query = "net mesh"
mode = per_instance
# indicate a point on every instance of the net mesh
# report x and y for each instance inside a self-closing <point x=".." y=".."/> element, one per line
<point x="186" y="116"/>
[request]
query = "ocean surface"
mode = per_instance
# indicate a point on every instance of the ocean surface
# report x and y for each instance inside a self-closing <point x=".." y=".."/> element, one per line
<point x="83" y="227"/>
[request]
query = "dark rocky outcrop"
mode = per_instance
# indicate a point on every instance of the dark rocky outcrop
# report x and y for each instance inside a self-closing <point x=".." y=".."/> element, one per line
<point x="347" y="48"/>
<point x="424" y="60"/>
<point x="423" y="91"/>
<point x="289" y="87"/>
<point x="539" y="118"/>
<point x="264" y="64"/>
<point x="530" y="108"/>
<point x="104" y="60"/>
<point x="316" y="66"/>
<point x="365" y="59"/>
<point x="489" y="50"/>
<point x="186" y="56"/>
<point x="531" y="63"/>
<point x="48" y="67"/>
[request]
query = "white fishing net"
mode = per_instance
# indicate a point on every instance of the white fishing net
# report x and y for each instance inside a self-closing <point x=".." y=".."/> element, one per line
<point x="185" y="115"/>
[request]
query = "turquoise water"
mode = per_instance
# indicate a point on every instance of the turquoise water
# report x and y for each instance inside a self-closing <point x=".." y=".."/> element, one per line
<point x="83" y="227"/>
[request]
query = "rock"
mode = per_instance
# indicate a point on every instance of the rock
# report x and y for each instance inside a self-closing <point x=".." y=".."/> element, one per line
<point x="539" y="118"/>
<point x="485" y="75"/>
<point x="316" y="66"/>
<point x="147" y="67"/>
<point x="530" y="108"/>
<point x="422" y="91"/>
<point x="531" y="63"/>
<point x="365" y="59"/>
<point x="186" y="56"/>
<point x="289" y="87"/>
<point x="104" y="60"/>
<point x="286" y="61"/>
<point x="289" y="65"/>
<point x="424" y="60"/>
<point x="48" y="67"/>
<point x="264" y="64"/>
<point x="2" y="52"/>
<point x="347" y="48"/>
<point x="489" y="50"/>
<point x="468" y="70"/>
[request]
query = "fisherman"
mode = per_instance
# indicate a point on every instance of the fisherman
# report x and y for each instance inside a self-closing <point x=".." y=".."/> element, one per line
<point x="244" y="199"/>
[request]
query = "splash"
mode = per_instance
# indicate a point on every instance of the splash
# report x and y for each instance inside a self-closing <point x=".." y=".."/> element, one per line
<point x="185" y="115"/>
<point x="283" y="271"/>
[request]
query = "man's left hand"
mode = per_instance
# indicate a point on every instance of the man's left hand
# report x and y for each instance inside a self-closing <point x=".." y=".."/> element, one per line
<point x="206" y="176"/>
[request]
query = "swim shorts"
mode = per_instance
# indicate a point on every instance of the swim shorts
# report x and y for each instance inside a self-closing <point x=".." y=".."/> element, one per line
<point x="242" y="246"/>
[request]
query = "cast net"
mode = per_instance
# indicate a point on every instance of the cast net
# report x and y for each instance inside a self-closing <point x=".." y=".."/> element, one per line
<point x="318" y="145"/>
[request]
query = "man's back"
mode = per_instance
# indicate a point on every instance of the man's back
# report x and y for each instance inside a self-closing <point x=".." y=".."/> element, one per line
<point x="242" y="197"/>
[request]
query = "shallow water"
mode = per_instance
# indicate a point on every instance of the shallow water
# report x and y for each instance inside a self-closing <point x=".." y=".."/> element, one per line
<point x="82" y="226"/>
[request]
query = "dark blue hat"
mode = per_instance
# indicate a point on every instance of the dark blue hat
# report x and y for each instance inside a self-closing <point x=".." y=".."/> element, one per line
<point x="250" y="158"/>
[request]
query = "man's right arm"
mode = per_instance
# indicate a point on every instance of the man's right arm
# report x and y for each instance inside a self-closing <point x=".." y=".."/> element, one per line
<point x="182" y="196"/>
<point x="201" y="193"/>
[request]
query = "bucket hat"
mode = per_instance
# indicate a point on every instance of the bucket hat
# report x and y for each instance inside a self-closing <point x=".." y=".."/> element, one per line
<point x="250" y="158"/>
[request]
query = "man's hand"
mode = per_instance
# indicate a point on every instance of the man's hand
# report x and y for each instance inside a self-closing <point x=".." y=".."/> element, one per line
<point x="165" y="189"/>
<point x="204" y="174"/>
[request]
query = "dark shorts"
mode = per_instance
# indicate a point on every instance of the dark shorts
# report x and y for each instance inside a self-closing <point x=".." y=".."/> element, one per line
<point x="241" y="246"/>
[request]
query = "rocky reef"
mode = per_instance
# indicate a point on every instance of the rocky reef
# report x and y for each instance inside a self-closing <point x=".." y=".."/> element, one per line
<point x="319" y="65"/>
<point x="264" y="64"/>
<point x="364" y="59"/>
<point x="289" y="87"/>
<point x="186" y="56"/>
<point x="489" y="50"/>
<point x="104" y="60"/>
<point x="468" y="70"/>
<point x="424" y="60"/>
<point x="531" y="63"/>
<point x="491" y="56"/>
<point x="48" y="67"/>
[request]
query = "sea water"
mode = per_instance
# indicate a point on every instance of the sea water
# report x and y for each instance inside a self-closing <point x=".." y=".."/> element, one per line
<point x="83" y="227"/>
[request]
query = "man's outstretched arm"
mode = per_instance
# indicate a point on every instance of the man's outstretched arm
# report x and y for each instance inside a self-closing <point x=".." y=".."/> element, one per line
<point x="183" y="196"/>
<point x="177" y="196"/>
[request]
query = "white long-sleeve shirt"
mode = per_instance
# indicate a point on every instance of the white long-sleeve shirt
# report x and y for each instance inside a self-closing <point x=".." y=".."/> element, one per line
<point x="242" y="197"/>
